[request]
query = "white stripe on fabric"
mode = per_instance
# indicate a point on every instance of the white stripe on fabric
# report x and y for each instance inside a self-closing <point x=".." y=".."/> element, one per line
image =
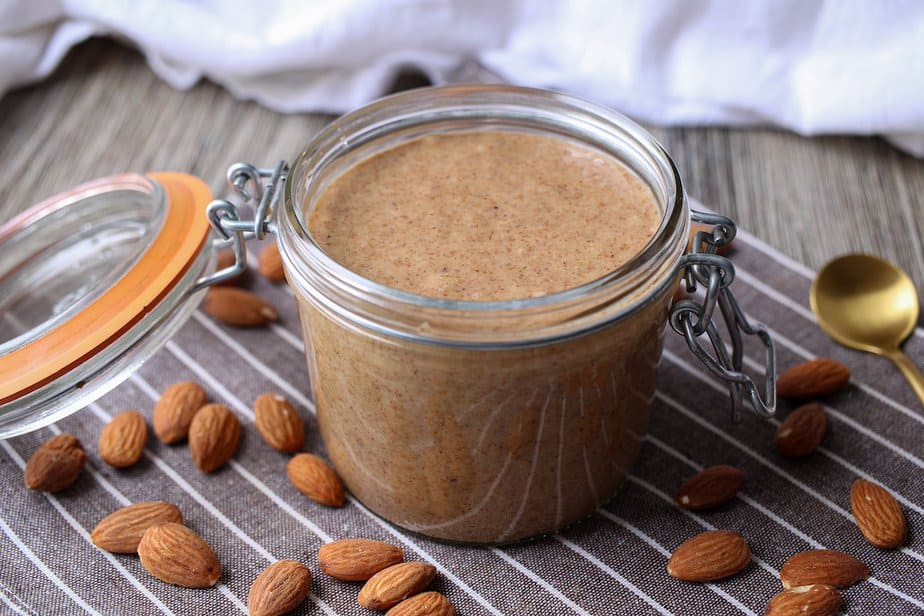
<point x="12" y="600"/>
<point x="539" y="581"/>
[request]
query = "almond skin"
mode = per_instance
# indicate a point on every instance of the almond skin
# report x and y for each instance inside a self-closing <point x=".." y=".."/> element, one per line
<point x="238" y="307"/>
<point x="175" y="409"/>
<point x="822" y="567"/>
<point x="56" y="465"/>
<point x="357" y="560"/>
<point x="815" y="600"/>
<point x="270" y="264"/>
<point x="878" y="515"/>
<point x="279" y="589"/>
<point x="122" y="440"/>
<point x="316" y="480"/>
<point x="802" y="432"/>
<point x="213" y="437"/>
<point x="391" y="586"/>
<point x="429" y="603"/>
<point x="278" y="423"/>
<point x="710" y="488"/>
<point x="174" y="554"/>
<point x="708" y="556"/>
<point x="121" y="531"/>
<point x="813" y="379"/>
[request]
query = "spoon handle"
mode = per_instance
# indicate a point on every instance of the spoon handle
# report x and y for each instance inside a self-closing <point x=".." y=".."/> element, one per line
<point x="910" y="372"/>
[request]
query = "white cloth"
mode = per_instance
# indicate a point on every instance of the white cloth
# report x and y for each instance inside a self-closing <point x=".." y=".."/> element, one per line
<point x="854" y="66"/>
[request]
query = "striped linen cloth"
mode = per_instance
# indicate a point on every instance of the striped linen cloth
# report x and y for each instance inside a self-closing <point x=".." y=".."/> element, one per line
<point x="611" y="563"/>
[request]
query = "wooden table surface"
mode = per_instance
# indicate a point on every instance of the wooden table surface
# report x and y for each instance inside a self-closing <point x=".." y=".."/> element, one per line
<point x="105" y="112"/>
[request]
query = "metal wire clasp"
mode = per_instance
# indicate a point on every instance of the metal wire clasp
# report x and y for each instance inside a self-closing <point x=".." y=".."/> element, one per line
<point x="259" y="188"/>
<point x="691" y="318"/>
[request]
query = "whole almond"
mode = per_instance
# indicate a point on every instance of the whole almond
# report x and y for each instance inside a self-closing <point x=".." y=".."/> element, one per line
<point x="56" y="465"/>
<point x="175" y="409"/>
<point x="822" y="567"/>
<point x="316" y="480"/>
<point x="121" y="531"/>
<point x="813" y="379"/>
<point x="122" y="440"/>
<point x="815" y="600"/>
<point x="174" y="554"/>
<point x="213" y="437"/>
<point x="429" y="603"/>
<point x="238" y="307"/>
<point x="878" y="515"/>
<point x="356" y="560"/>
<point x="270" y="264"/>
<point x="802" y="432"/>
<point x="224" y="260"/>
<point x="710" y="488"/>
<point x="708" y="556"/>
<point x="391" y="586"/>
<point x="278" y="423"/>
<point x="279" y="589"/>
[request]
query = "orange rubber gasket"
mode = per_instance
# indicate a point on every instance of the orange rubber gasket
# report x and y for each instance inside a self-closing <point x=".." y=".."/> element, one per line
<point x="166" y="260"/>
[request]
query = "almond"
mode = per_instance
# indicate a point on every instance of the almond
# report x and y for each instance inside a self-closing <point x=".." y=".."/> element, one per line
<point x="708" y="556"/>
<point x="391" y="586"/>
<point x="813" y="379"/>
<point x="122" y="440"/>
<point x="175" y="409"/>
<point x="429" y="603"/>
<point x="698" y="226"/>
<point x="56" y="465"/>
<point x="878" y="515"/>
<point x="121" y="530"/>
<point x="356" y="560"/>
<point x="224" y="260"/>
<point x="270" y="264"/>
<point x="238" y="307"/>
<point x="822" y="567"/>
<point x="278" y="423"/>
<point x="710" y="488"/>
<point x="213" y="437"/>
<point x="316" y="480"/>
<point x="174" y="554"/>
<point x="279" y="589"/>
<point x="815" y="600"/>
<point x="802" y="432"/>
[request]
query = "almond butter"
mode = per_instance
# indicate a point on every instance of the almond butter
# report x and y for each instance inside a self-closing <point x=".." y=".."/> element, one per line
<point x="822" y="567"/>
<point x="391" y="586"/>
<point x="238" y="307"/>
<point x="56" y="465"/>
<point x="281" y="588"/>
<point x="802" y="432"/>
<point x="814" y="600"/>
<point x="122" y="440"/>
<point x="121" y="531"/>
<point x="878" y="515"/>
<point x="175" y="409"/>
<point x="175" y="554"/>
<point x="270" y="264"/>
<point x="278" y="423"/>
<point x="224" y="260"/>
<point x="813" y="379"/>
<point x="213" y="437"/>
<point x="357" y="560"/>
<point x="710" y="488"/>
<point x="316" y="480"/>
<point x="429" y="603"/>
<point x="708" y="556"/>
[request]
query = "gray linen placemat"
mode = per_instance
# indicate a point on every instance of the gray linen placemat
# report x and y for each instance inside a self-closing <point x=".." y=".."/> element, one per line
<point x="611" y="563"/>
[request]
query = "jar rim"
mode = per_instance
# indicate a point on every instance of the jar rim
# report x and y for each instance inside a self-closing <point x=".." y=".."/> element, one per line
<point x="430" y="104"/>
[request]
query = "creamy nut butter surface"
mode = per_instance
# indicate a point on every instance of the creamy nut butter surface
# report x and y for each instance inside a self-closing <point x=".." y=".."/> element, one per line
<point x="485" y="444"/>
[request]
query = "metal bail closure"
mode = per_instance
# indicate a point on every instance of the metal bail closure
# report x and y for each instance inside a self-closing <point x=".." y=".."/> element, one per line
<point x="247" y="182"/>
<point x="692" y="318"/>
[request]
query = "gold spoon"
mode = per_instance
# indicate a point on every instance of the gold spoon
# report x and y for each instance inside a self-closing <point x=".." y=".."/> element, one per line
<point x="868" y="304"/>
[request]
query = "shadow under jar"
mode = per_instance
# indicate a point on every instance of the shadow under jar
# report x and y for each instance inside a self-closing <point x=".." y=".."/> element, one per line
<point x="482" y="421"/>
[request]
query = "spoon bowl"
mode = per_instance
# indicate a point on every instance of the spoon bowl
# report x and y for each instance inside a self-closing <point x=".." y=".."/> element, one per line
<point x="869" y="304"/>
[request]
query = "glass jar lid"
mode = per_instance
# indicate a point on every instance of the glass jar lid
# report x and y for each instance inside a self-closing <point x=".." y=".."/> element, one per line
<point x="92" y="282"/>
